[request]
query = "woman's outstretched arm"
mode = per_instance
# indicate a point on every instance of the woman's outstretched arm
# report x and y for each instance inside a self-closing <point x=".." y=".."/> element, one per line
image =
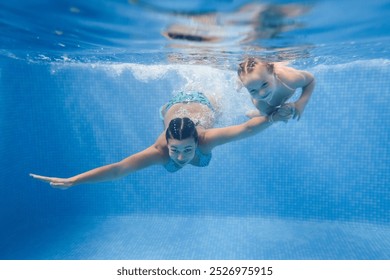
<point x="218" y="136"/>
<point x="143" y="159"/>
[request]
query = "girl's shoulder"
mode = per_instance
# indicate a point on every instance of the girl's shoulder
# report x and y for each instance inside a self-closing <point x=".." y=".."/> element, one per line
<point x="292" y="76"/>
<point x="282" y="64"/>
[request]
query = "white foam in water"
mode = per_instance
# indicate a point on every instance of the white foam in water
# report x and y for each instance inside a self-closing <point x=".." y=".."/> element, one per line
<point x="143" y="73"/>
<point x="219" y="84"/>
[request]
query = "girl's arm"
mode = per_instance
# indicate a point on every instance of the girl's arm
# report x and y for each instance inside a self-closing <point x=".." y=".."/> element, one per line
<point x="307" y="83"/>
<point x="219" y="136"/>
<point x="145" y="158"/>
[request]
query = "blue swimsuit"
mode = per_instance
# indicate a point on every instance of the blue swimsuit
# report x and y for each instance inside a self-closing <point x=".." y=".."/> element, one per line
<point x="204" y="160"/>
<point x="186" y="97"/>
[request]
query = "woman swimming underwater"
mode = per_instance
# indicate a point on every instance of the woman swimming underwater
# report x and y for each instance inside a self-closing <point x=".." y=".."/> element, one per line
<point x="188" y="139"/>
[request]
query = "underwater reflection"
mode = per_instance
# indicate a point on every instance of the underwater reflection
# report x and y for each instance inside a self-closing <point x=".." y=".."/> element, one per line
<point x="250" y="22"/>
<point x="202" y="37"/>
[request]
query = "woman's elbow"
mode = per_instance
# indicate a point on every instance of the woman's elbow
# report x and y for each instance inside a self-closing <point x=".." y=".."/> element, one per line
<point x="119" y="169"/>
<point x="248" y="130"/>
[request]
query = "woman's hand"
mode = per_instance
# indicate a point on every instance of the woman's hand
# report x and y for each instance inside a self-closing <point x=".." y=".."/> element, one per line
<point x="283" y="113"/>
<point x="59" y="183"/>
<point x="293" y="110"/>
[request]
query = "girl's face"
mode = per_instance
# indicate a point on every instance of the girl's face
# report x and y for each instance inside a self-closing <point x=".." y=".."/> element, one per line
<point x="260" y="82"/>
<point x="182" y="151"/>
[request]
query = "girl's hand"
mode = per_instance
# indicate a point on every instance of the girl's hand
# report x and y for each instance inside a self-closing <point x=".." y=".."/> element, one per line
<point x="59" y="183"/>
<point x="296" y="109"/>
<point x="283" y="113"/>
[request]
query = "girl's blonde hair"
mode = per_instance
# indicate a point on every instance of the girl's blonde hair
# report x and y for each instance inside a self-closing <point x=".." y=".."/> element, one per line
<point x="249" y="64"/>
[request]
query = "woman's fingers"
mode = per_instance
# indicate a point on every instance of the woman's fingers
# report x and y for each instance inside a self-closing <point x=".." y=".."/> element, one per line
<point x="276" y="116"/>
<point x="54" y="182"/>
<point x="42" y="178"/>
<point x="60" y="186"/>
<point x="57" y="184"/>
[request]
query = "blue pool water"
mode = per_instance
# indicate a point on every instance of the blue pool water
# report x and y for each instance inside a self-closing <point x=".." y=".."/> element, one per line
<point x="81" y="86"/>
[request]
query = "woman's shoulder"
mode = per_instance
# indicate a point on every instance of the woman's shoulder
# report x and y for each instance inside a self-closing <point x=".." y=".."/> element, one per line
<point x="205" y="140"/>
<point x="160" y="146"/>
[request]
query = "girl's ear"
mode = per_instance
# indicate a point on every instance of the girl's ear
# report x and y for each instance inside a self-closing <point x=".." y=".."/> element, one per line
<point x="270" y="68"/>
<point x="241" y="68"/>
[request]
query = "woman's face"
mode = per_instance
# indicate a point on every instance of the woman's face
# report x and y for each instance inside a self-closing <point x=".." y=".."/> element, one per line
<point x="182" y="151"/>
